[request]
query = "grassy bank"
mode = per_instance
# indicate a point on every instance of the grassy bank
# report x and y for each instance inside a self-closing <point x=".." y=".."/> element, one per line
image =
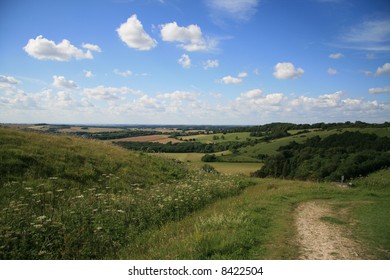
<point x="69" y="198"/>
<point x="259" y="223"/>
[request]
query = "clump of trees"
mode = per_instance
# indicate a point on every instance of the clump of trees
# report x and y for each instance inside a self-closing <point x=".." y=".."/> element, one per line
<point x="349" y="154"/>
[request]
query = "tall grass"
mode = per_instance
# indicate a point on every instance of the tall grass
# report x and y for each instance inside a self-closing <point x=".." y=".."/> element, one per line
<point x="69" y="198"/>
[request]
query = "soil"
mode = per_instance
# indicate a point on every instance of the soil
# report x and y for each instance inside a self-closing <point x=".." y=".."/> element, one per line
<point x="323" y="240"/>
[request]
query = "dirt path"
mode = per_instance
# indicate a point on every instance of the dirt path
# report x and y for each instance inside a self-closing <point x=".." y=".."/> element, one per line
<point x="323" y="240"/>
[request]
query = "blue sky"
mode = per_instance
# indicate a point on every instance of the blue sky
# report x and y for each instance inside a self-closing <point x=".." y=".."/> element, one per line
<point x="194" y="62"/>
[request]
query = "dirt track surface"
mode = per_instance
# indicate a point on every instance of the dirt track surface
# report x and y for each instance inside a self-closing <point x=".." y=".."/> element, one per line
<point x="323" y="240"/>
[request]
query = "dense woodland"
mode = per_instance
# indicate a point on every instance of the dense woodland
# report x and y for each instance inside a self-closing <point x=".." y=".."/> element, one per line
<point x="350" y="154"/>
<point x="182" y="147"/>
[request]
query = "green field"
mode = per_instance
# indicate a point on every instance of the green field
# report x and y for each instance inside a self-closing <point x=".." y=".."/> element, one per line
<point x="230" y="168"/>
<point x="219" y="137"/>
<point x="270" y="148"/>
<point x="65" y="197"/>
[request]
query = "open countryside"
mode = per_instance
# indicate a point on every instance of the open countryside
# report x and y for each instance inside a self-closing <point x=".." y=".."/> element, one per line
<point x="63" y="186"/>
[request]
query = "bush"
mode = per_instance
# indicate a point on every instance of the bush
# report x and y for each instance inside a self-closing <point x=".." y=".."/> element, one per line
<point x="209" y="158"/>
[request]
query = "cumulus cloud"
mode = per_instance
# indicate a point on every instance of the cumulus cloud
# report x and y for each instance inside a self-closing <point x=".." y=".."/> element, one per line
<point x="241" y="10"/>
<point x="332" y="71"/>
<point x="184" y="61"/>
<point x="88" y="74"/>
<point x="92" y="47"/>
<point x="323" y="101"/>
<point x="210" y="64"/>
<point x="336" y="55"/>
<point x="42" y="48"/>
<point x="190" y="37"/>
<point x="8" y="81"/>
<point x="133" y="34"/>
<point x="109" y="93"/>
<point x="231" y="80"/>
<point x="61" y="82"/>
<point x="383" y="70"/>
<point x="379" y="90"/>
<point x="251" y="94"/>
<point x="242" y="74"/>
<point x="286" y="70"/>
<point x="179" y="95"/>
<point x="125" y="74"/>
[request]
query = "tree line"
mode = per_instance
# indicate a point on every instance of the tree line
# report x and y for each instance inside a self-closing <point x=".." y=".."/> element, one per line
<point x="349" y="154"/>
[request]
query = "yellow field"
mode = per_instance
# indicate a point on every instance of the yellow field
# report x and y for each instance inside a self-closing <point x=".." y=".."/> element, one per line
<point x="231" y="168"/>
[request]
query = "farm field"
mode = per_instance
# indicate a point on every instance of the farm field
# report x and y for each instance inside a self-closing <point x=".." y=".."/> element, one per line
<point x="158" y="138"/>
<point x="218" y="137"/>
<point x="231" y="168"/>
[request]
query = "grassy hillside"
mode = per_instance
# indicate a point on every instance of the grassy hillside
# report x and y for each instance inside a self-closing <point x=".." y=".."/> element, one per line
<point x="271" y="147"/>
<point x="259" y="223"/>
<point x="70" y="198"/>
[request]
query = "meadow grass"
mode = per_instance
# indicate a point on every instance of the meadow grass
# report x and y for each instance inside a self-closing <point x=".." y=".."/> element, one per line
<point x="259" y="223"/>
<point x="69" y="198"/>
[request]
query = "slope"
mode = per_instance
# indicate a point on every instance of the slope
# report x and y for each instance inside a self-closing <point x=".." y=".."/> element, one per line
<point x="70" y="198"/>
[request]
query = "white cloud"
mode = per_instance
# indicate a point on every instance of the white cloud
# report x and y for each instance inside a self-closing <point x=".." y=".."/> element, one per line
<point x="88" y="74"/>
<point x="242" y="74"/>
<point x="190" y="37"/>
<point x="241" y="10"/>
<point x="109" y="93"/>
<point x="179" y="95"/>
<point x="379" y="90"/>
<point x="8" y="81"/>
<point x="251" y="94"/>
<point x="124" y="74"/>
<point x="371" y="35"/>
<point x="231" y="80"/>
<point x="384" y="70"/>
<point x="61" y="82"/>
<point x="92" y="47"/>
<point x="184" y="61"/>
<point x="286" y="70"/>
<point x="133" y="34"/>
<point x="323" y="101"/>
<point x="210" y="64"/>
<point x="336" y="55"/>
<point x="332" y="71"/>
<point x="42" y="48"/>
